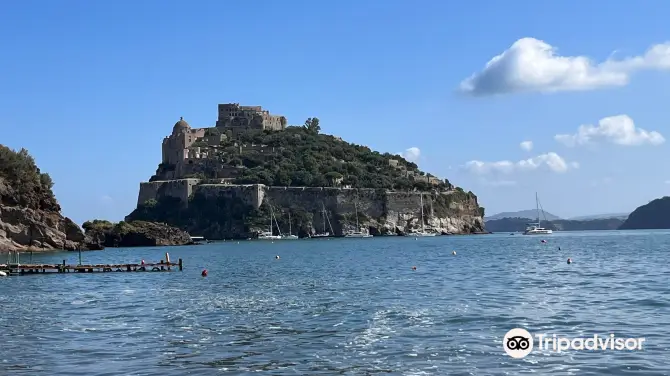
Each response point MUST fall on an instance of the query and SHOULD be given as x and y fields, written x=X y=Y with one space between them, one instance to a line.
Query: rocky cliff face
x=219 y=211
x=30 y=216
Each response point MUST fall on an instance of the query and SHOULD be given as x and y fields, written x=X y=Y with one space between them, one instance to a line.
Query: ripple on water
x=346 y=307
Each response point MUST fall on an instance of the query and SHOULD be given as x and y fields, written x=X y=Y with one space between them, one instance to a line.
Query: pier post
x=79 y=256
x=181 y=265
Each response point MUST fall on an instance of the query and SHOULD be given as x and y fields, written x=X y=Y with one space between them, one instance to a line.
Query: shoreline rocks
x=101 y=234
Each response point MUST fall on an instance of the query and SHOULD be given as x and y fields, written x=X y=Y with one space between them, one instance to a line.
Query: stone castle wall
x=393 y=208
x=155 y=190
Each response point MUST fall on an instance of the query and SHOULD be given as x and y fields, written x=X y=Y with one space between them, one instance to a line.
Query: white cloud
x=618 y=130
x=106 y=199
x=532 y=65
x=526 y=145
x=499 y=183
x=412 y=154
x=551 y=161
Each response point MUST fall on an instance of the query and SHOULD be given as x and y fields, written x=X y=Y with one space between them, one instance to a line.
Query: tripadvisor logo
x=518 y=343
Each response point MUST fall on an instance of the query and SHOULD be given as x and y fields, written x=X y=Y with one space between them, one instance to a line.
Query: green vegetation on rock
x=654 y=215
x=301 y=156
x=22 y=183
x=133 y=234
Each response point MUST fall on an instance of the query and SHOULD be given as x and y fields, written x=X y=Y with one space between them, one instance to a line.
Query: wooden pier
x=15 y=267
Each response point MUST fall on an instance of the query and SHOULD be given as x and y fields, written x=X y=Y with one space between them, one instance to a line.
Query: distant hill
x=528 y=214
x=621 y=216
x=519 y=224
x=654 y=215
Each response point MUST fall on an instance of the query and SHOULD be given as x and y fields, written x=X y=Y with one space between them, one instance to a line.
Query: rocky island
x=250 y=173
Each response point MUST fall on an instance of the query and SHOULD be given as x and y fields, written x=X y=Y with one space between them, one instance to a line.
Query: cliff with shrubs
x=30 y=216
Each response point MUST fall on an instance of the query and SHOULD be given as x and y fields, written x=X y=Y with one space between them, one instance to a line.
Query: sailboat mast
x=537 y=207
x=323 y=208
x=290 y=231
x=358 y=227
x=423 y=225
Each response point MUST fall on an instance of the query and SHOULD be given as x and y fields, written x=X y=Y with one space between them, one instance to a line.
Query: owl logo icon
x=518 y=343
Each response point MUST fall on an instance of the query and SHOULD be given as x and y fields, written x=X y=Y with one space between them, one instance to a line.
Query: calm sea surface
x=346 y=306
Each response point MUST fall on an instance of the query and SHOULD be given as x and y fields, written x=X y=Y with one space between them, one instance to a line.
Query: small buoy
x=569 y=261
x=543 y=241
x=413 y=267
x=277 y=257
x=142 y=262
x=204 y=273
x=559 y=248
x=453 y=253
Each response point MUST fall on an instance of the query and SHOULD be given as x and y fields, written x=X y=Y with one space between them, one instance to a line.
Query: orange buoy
x=204 y=273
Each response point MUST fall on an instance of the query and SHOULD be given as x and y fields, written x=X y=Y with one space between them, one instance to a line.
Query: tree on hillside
x=312 y=125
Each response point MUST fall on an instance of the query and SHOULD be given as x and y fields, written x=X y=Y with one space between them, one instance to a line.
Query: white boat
x=423 y=232
x=536 y=228
x=325 y=233
x=290 y=235
x=359 y=233
x=267 y=235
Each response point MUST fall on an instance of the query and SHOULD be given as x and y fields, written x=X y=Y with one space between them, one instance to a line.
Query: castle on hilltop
x=197 y=153
x=187 y=146
x=235 y=117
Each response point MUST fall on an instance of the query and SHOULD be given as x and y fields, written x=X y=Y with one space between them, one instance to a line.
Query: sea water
x=346 y=306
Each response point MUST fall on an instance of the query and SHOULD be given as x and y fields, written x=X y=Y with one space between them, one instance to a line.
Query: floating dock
x=15 y=267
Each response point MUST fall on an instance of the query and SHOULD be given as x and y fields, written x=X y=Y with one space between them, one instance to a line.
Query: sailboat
x=357 y=233
x=325 y=233
x=536 y=228
x=267 y=235
x=423 y=225
x=290 y=235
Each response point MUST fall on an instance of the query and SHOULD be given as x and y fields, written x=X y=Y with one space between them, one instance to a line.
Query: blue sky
x=90 y=88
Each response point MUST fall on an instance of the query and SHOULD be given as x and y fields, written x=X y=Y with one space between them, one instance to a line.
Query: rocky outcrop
x=30 y=216
x=654 y=215
x=133 y=234
x=224 y=211
x=29 y=229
